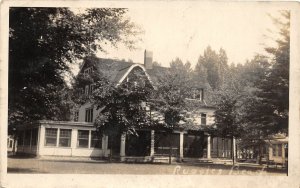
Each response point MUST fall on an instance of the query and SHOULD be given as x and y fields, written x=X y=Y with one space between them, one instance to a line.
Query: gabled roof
x=112 y=69
x=117 y=70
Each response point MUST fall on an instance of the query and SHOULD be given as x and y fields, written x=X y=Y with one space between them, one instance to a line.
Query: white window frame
x=89 y=114
x=88 y=139
x=202 y=115
x=45 y=144
x=76 y=115
x=87 y=71
x=60 y=137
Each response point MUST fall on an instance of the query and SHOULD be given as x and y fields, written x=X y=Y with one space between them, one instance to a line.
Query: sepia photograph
x=158 y=90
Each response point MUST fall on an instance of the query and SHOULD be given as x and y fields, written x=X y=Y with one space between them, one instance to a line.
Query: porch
x=179 y=146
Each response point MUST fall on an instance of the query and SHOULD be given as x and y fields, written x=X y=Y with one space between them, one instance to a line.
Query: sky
x=185 y=32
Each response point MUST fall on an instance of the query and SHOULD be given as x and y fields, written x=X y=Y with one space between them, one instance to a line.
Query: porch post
x=41 y=140
x=30 y=143
x=208 y=147
x=234 y=149
x=181 y=146
x=152 y=143
x=122 y=146
x=74 y=140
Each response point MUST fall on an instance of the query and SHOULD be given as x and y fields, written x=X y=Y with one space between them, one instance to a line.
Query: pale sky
x=185 y=31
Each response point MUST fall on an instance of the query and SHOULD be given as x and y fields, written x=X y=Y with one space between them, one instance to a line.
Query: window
x=91 y=88
x=83 y=139
x=201 y=94
x=88 y=71
x=65 y=137
x=279 y=150
x=274 y=148
x=50 y=137
x=203 y=119
x=89 y=115
x=76 y=116
x=86 y=90
x=96 y=141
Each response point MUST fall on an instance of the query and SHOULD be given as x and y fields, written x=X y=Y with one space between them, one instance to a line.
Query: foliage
x=268 y=111
x=211 y=67
x=43 y=42
x=173 y=87
x=123 y=106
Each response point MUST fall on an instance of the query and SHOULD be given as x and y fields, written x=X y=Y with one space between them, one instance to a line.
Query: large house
x=79 y=138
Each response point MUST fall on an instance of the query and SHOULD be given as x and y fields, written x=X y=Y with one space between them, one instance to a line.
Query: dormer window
x=198 y=94
x=88 y=71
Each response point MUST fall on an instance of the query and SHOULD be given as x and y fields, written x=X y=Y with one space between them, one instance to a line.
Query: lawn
x=33 y=165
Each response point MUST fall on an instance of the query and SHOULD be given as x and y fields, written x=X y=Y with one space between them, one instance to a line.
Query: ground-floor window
x=65 y=137
x=277 y=150
x=50 y=137
x=83 y=139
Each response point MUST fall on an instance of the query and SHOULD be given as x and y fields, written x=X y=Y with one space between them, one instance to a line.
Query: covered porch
x=159 y=146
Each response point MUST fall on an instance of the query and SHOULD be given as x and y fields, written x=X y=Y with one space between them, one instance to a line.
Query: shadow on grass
x=20 y=156
x=22 y=170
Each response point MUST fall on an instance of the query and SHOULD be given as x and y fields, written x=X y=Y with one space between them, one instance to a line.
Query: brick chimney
x=148 y=59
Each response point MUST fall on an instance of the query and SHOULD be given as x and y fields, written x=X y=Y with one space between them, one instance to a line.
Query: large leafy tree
x=173 y=87
x=123 y=107
x=43 y=43
x=211 y=67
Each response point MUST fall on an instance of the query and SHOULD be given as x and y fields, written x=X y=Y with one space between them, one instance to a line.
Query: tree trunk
x=232 y=150
x=170 y=149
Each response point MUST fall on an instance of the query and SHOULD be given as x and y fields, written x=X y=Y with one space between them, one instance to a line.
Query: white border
x=65 y=180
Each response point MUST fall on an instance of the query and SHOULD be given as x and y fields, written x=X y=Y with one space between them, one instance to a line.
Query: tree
x=168 y=99
x=275 y=87
x=211 y=67
x=268 y=110
x=123 y=106
x=43 y=42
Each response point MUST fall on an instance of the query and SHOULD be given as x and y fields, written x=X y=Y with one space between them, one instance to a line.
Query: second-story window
x=88 y=71
x=88 y=90
x=91 y=88
x=89 y=115
x=203 y=119
x=76 y=116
